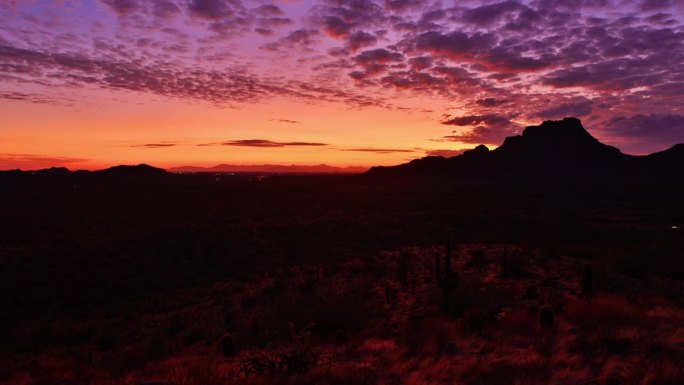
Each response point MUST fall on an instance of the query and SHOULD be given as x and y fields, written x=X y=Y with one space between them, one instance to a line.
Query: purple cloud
x=643 y=134
x=213 y=9
x=360 y=40
x=379 y=150
x=121 y=6
x=299 y=38
x=530 y=59
x=155 y=145
x=488 y=129
x=444 y=153
x=491 y=102
x=488 y=14
x=263 y=143
x=289 y=121
x=470 y=120
x=574 y=109
x=652 y=5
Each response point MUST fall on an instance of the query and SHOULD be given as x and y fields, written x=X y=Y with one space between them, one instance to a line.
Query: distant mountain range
x=144 y=169
x=122 y=170
x=554 y=150
x=273 y=169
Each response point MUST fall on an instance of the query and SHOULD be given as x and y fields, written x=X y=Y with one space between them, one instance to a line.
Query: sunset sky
x=94 y=83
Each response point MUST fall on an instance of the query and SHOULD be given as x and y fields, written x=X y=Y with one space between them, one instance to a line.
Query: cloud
x=168 y=79
x=469 y=120
x=574 y=109
x=488 y=14
x=269 y=10
x=263 y=143
x=403 y=5
x=645 y=133
x=121 y=6
x=288 y=121
x=30 y=97
x=375 y=61
x=165 y=9
x=337 y=27
x=378 y=56
x=155 y=145
x=491 y=102
x=379 y=150
x=299 y=38
x=339 y=18
x=213 y=9
x=444 y=153
x=533 y=58
x=652 y=5
x=360 y=40
x=486 y=129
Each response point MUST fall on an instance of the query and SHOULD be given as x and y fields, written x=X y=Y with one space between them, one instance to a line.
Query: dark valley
x=551 y=259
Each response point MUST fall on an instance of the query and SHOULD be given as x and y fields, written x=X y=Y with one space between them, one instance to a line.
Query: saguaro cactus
x=450 y=278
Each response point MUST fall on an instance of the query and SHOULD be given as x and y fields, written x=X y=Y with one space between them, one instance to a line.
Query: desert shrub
x=664 y=372
x=331 y=308
x=528 y=368
x=475 y=320
x=354 y=266
x=198 y=371
x=478 y=259
x=403 y=266
x=296 y=355
x=349 y=312
x=432 y=336
x=517 y=265
x=519 y=322
x=661 y=372
x=606 y=311
x=470 y=294
x=193 y=336
x=124 y=362
x=326 y=376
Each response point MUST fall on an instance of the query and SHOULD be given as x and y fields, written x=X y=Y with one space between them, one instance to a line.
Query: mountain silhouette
x=117 y=173
x=128 y=170
x=273 y=168
x=553 y=150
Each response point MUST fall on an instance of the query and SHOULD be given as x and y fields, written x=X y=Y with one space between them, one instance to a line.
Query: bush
x=297 y=355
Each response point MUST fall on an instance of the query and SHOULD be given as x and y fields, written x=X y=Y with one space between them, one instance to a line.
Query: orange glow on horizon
x=168 y=132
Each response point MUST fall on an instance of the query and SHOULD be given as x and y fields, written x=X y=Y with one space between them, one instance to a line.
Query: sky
x=87 y=84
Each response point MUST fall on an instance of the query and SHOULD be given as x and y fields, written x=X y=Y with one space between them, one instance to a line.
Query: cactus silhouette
x=450 y=278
